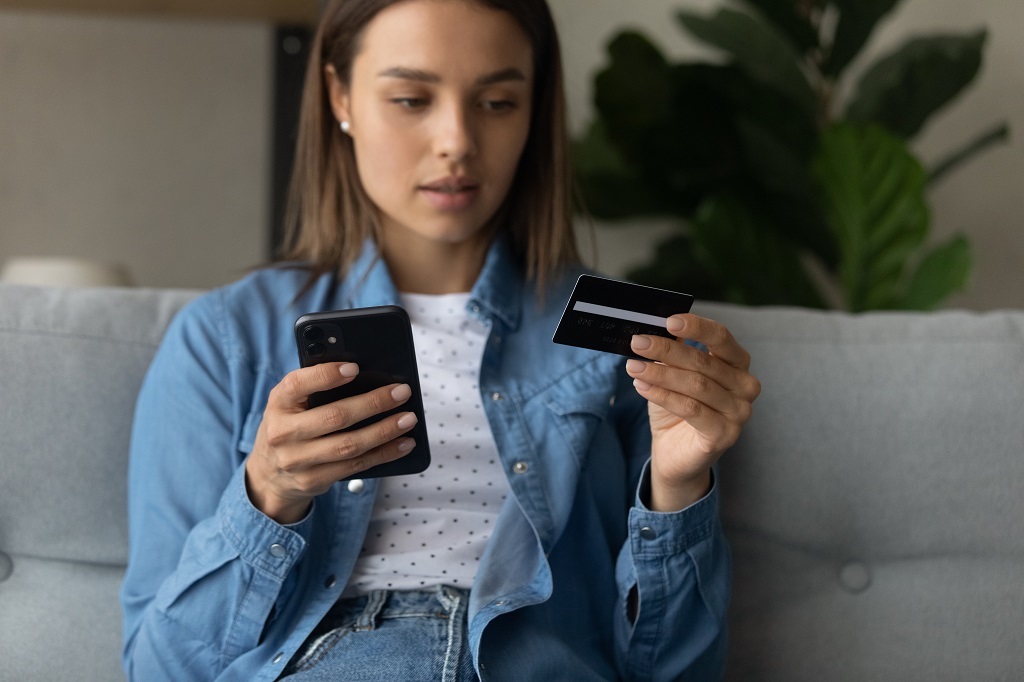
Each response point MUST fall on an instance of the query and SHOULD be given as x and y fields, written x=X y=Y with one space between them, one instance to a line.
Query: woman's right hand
x=298 y=455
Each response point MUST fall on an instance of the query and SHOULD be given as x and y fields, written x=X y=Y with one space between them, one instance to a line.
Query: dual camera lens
x=313 y=336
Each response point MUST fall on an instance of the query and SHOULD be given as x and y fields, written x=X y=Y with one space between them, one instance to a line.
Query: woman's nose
x=455 y=137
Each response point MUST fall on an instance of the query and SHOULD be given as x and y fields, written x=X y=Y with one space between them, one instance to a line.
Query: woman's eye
x=410 y=102
x=498 y=105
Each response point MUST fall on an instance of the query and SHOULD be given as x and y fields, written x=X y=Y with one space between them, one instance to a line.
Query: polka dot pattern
x=431 y=528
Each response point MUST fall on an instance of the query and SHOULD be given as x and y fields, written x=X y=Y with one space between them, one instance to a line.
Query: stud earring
x=344 y=127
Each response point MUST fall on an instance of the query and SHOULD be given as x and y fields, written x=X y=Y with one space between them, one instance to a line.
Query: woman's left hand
x=698 y=403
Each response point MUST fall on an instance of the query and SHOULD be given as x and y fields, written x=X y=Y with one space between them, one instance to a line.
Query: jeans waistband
x=366 y=610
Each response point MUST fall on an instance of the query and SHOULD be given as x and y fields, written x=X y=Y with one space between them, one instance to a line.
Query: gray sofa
x=874 y=504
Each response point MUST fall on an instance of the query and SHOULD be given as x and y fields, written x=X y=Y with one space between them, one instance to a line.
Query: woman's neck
x=429 y=267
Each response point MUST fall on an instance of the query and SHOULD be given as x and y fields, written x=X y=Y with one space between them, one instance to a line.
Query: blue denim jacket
x=217 y=590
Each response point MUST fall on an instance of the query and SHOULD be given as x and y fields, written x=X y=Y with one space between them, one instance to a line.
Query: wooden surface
x=276 y=11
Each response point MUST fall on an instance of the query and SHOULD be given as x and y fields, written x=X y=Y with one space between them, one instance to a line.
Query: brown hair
x=329 y=215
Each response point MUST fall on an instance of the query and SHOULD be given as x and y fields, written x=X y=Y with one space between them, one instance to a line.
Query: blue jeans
x=389 y=636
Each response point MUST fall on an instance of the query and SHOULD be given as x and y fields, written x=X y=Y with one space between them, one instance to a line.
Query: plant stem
x=1000 y=133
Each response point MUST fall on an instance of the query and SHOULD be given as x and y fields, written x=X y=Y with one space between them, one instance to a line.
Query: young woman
x=567 y=526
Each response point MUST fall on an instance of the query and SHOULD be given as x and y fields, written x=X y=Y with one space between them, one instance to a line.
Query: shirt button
x=854 y=577
x=330 y=582
x=278 y=551
x=611 y=401
x=356 y=486
x=500 y=602
x=497 y=396
x=280 y=655
x=475 y=308
x=520 y=467
x=648 y=533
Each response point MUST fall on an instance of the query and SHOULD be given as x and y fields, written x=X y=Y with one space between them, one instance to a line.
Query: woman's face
x=439 y=106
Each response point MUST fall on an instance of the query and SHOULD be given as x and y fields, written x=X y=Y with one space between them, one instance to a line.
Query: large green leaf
x=649 y=110
x=792 y=20
x=749 y=256
x=609 y=187
x=902 y=90
x=873 y=195
x=857 y=21
x=757 y=48
x=781 y=188
x=944 y=271
x=764 y=107
x=635 y=90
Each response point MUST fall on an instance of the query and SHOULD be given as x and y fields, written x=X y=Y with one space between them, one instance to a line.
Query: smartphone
x=379 y=340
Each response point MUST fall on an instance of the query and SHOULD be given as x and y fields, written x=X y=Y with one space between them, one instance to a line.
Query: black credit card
x=604 y=314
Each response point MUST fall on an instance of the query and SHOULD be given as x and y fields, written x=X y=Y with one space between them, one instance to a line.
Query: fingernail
x=349 y=369
x=406 y=445
x=635 y=366
x=401 y=392
x=407 y=421
x=640 y=343
x=641 y=385
x=675 y=325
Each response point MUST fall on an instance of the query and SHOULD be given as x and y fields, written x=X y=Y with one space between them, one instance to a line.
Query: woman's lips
x=451 y=194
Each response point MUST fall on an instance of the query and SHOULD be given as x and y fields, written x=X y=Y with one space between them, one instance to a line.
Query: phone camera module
x=315 y=349
x=312 y=334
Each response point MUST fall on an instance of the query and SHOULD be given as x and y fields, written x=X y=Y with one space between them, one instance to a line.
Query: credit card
x=604 y=314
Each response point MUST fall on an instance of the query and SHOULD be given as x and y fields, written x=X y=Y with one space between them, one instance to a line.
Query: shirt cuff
x=656 y=534
x=260 y=541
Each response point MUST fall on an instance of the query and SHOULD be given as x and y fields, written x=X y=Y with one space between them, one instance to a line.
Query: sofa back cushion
x=874 y=502
x=71 y=363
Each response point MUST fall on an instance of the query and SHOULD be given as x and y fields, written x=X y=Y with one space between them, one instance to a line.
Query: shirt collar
x=368 y=282
x=496 y=293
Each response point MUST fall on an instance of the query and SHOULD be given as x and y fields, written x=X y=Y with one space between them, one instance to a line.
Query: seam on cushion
x=21 y=331
x=63 y=560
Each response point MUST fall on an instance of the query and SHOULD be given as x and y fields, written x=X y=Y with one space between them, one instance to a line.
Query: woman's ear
x=337 y=92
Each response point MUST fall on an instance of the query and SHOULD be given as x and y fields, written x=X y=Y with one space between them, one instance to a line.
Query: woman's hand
x=298 y=455
x=698 y=403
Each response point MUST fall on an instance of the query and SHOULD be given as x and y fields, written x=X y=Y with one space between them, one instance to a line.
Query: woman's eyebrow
x=509 y=74
x=405 y=73
x=408 y=74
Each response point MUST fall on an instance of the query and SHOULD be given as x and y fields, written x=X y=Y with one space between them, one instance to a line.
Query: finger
x=341 y=414
x=319 y=479
x=388 y=452
x=690 y=384
x=715 y=335
x=678 y=354
x=296 y=387
x=714 y=426
x=343 y=445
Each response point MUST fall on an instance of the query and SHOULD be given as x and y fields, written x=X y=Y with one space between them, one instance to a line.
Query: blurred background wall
x=146 y=140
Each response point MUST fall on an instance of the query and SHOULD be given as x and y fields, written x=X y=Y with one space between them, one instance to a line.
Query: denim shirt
x=217 y=590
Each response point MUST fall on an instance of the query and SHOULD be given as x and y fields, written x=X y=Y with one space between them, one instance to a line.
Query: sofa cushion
x=873 y=503
x=71 y=363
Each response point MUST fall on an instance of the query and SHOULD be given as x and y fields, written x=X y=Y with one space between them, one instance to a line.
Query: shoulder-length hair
x=329 y=215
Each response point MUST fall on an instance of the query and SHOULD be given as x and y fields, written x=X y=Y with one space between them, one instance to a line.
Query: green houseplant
x=784 y=194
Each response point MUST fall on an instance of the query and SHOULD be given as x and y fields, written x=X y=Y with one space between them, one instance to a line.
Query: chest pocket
x=580 y=417
x=264 y=382
x=247 y=439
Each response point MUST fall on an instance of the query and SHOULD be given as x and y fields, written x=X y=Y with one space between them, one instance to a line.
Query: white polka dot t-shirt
x=431 y=528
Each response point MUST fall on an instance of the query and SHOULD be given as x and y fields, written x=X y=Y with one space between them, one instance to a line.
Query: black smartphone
x=379 y=340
